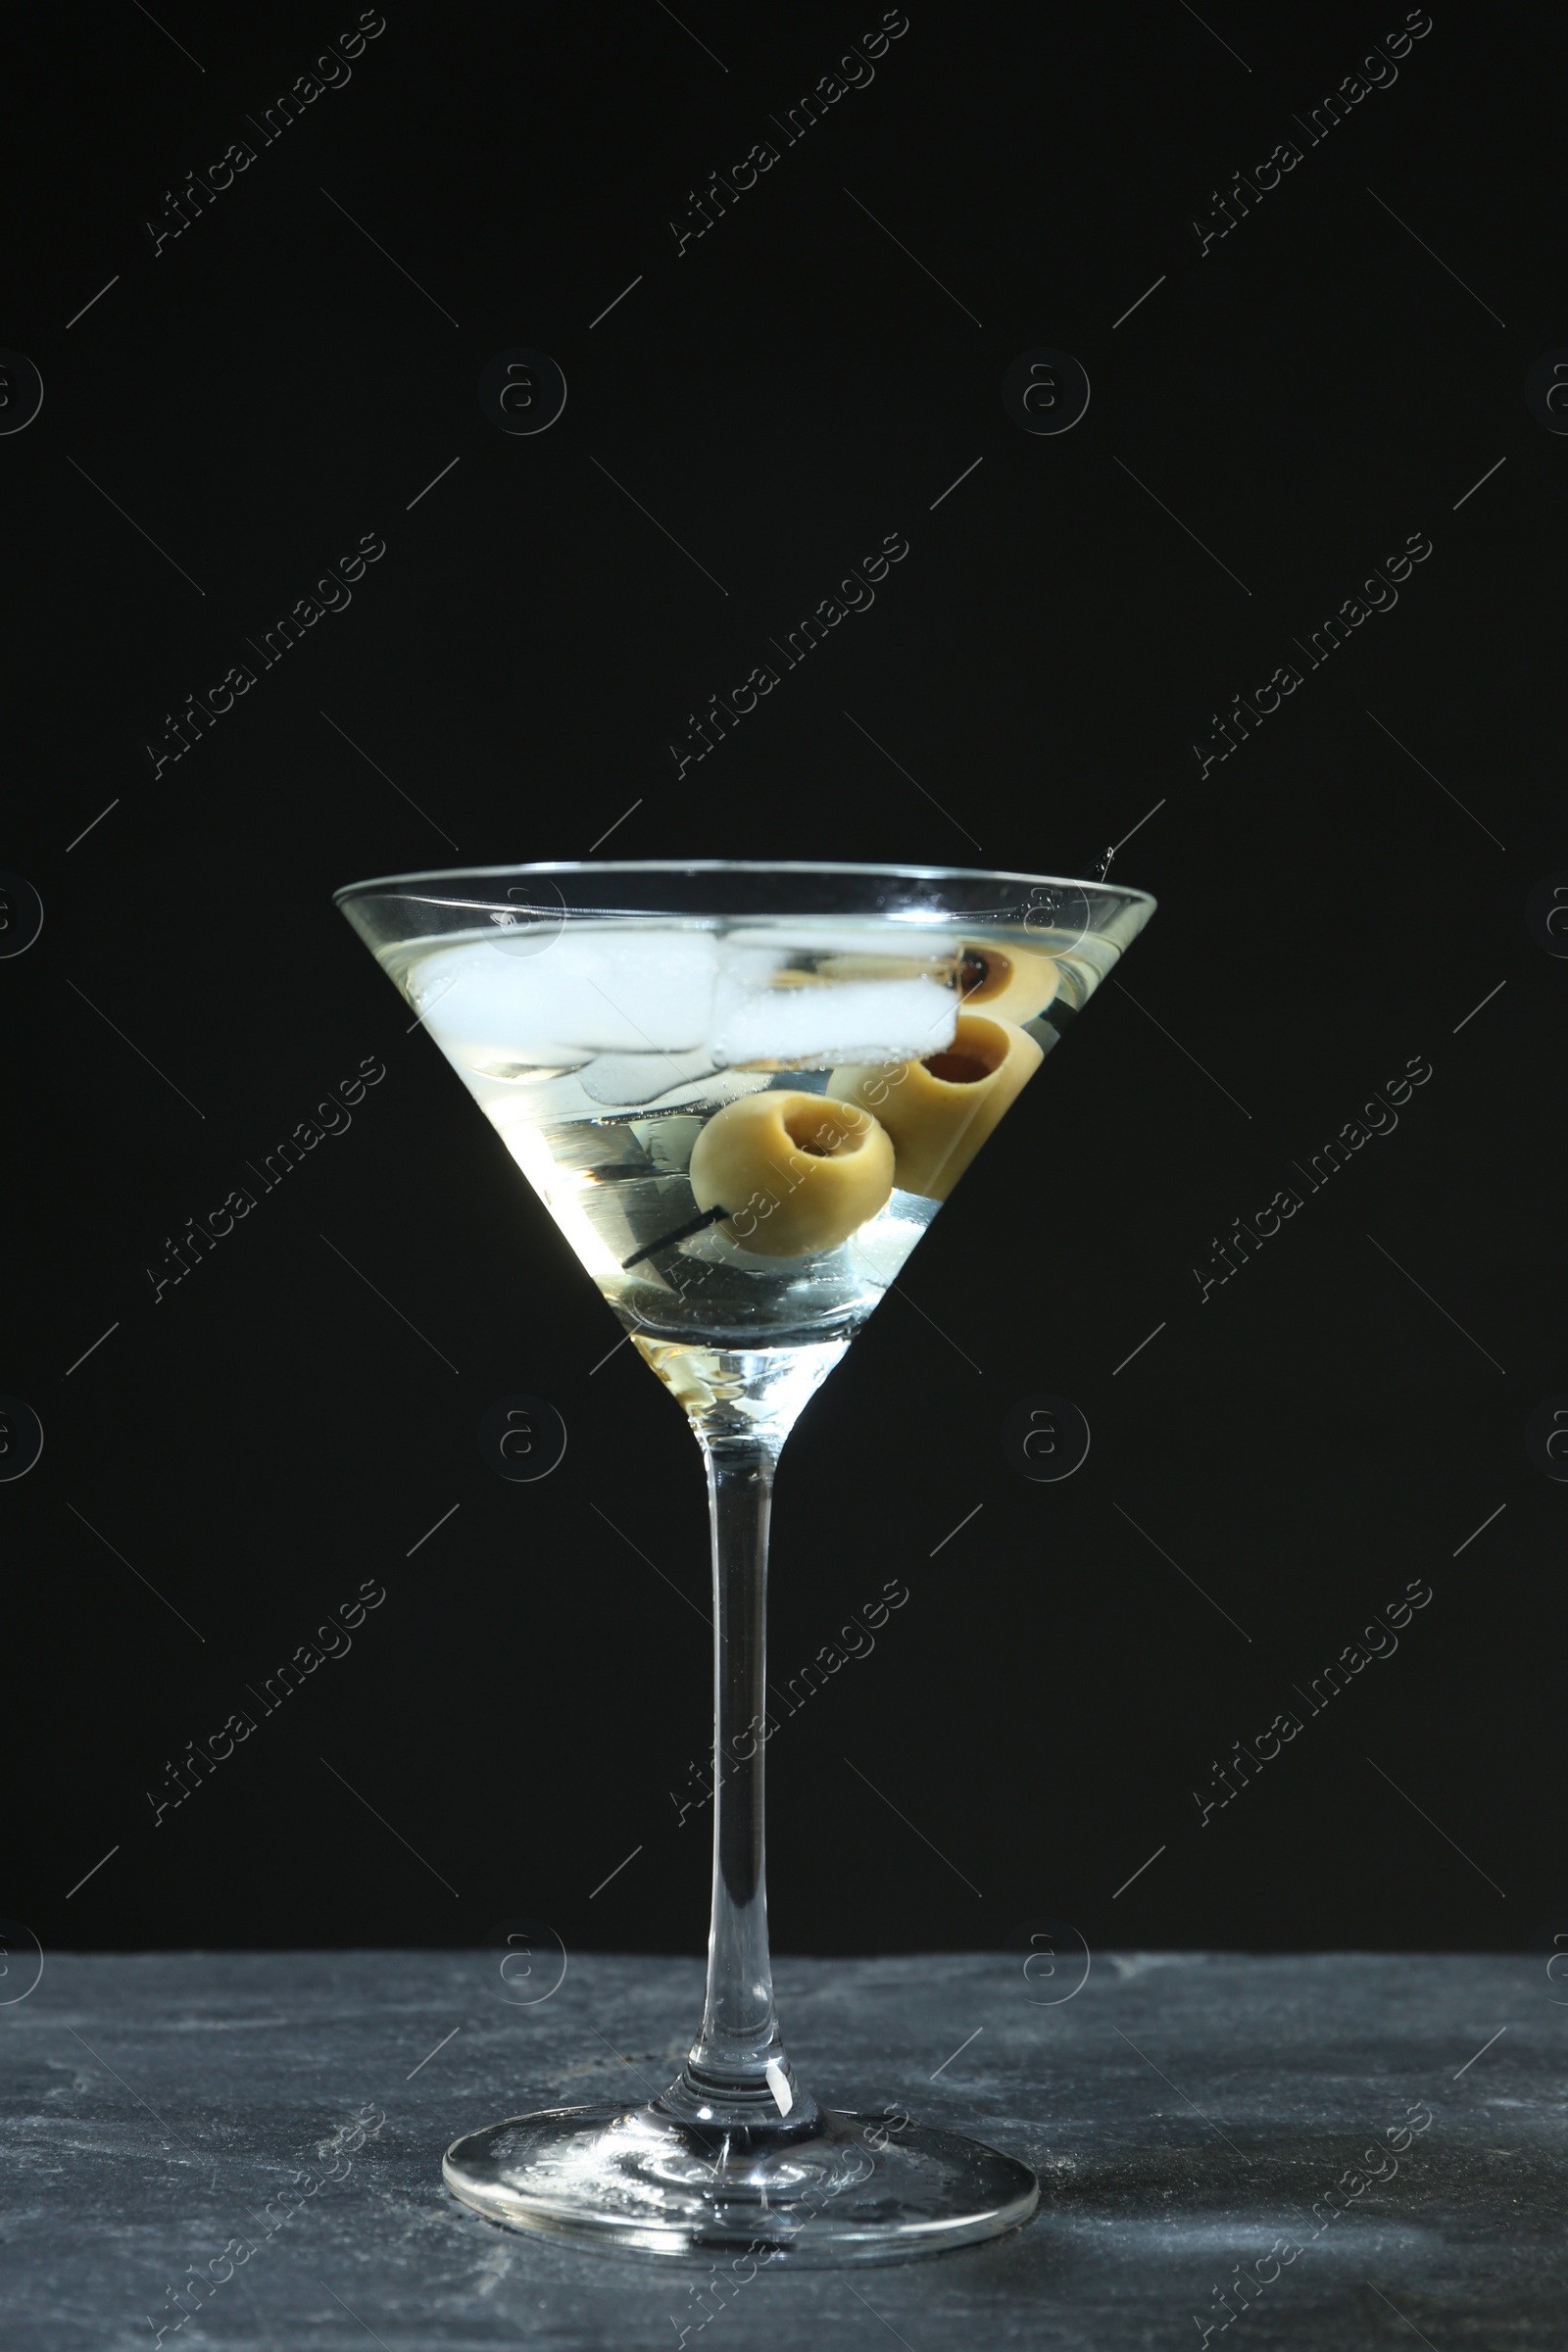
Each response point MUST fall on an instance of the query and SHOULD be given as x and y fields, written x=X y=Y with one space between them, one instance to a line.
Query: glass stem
x=737 y=2074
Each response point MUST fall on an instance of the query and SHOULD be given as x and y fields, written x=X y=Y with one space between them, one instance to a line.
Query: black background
x=1321 y=1431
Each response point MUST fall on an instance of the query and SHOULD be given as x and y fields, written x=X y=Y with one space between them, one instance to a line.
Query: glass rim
x=739 y=865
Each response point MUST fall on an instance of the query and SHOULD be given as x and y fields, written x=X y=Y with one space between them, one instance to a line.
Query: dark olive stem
x=682 y=1233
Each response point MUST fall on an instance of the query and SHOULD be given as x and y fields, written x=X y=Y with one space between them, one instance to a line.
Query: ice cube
x=668 y=1141
x=786 y=1017
x=626 y=1081
x=878 y=1251
x=589 y=991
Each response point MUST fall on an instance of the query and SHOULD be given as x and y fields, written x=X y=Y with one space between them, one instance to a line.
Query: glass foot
x=834 y=2188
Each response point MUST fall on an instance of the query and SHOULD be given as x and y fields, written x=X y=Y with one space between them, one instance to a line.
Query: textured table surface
x=1187 y=2114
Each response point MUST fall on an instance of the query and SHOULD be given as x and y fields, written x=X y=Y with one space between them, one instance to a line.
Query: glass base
x=835 y=2188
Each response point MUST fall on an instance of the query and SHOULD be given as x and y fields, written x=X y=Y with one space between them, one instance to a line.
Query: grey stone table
x=1336 y=2150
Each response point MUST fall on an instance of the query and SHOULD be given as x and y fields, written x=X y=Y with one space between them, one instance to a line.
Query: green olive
x=1014 y=984
x=940 y=1111
x=796 y=1173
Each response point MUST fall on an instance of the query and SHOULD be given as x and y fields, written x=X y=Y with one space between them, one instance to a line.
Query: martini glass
x=743 y=1092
